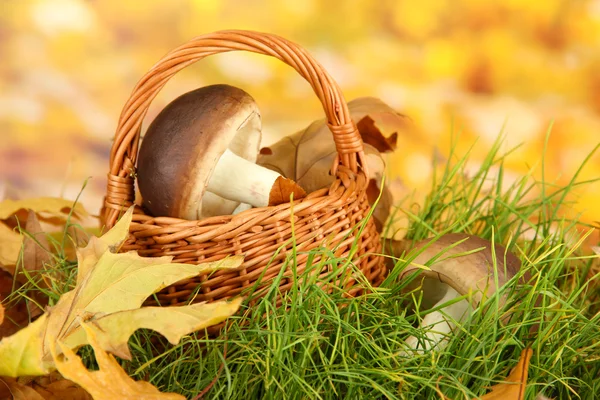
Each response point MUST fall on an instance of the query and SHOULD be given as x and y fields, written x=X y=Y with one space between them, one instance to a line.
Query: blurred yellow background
x=473 y=67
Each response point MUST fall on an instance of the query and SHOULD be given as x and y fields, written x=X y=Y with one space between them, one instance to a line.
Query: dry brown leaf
x=36 y=255
x=36 y=248
x=110 y=381
x=1 y=314
x=514 y=387
x=282 y=189
x=15 y=313
x=51 y=387
x=307 y=156
x=10 y=388
x=371 y=135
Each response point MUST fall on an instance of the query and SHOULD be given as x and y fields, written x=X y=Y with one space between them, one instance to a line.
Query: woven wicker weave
x=328 y=217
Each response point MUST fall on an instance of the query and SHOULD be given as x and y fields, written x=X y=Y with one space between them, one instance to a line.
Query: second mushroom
x=448 y=268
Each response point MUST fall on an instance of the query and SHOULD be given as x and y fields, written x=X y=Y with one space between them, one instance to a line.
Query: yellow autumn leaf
x=111 y=283
x=171 y=322
x=57 y=207
x=23 y=351
x=10 y=245
x=88 y=256
x=110 y=381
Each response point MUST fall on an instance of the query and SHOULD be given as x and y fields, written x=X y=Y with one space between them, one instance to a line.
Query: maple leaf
x=110 y=381
x=109 y=292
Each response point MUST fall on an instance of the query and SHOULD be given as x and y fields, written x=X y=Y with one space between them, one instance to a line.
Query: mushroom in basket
x=198 y=157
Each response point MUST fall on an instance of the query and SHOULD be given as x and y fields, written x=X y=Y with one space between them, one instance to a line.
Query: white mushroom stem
x=438 y=325
x=238 y=179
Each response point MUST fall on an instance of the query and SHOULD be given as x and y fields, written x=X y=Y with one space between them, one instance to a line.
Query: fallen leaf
x=62 y=389
x=54 y=206
x=36 y=248
x=10 y=247
x=110 y=381
x=49 y=387
x=109 y=292
x=10 y=388
x=514 y=387
x=171 y=322
x=282 y=189
x=1 y=314
x=51 y=213
x=15 y=312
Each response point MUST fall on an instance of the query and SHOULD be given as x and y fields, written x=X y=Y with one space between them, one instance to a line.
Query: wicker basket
x=328 y=217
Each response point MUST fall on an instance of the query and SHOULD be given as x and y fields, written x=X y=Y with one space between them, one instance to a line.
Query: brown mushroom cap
x=466 y=273
x=184 y=142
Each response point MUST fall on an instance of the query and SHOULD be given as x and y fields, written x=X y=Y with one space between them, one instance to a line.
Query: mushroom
x=198 y=157
x=459 y=265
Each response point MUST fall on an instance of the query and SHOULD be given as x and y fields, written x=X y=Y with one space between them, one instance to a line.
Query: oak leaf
x=109 y=292
x=110 y=381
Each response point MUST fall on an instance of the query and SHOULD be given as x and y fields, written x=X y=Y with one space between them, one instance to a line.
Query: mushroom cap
x=468 y=273
x=185 y=141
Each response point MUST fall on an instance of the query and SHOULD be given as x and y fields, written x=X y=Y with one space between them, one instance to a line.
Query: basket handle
x=120 y=189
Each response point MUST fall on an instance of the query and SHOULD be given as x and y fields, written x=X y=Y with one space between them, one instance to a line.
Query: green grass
x=325 y=346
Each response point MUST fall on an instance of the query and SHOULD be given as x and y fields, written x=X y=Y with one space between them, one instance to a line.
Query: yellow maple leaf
x=108 y=295
x=110 y=381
